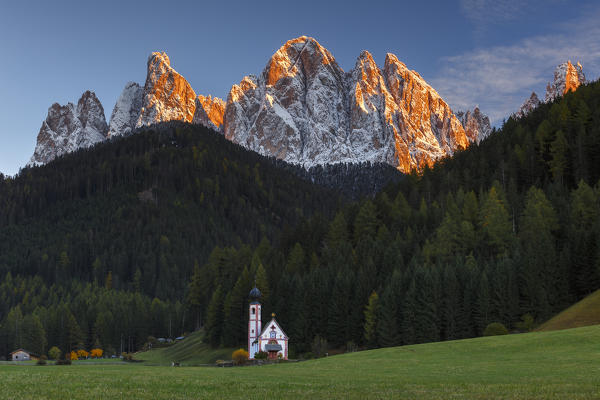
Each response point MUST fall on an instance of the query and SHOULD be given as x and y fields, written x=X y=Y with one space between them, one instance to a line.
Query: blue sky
x=492 y=53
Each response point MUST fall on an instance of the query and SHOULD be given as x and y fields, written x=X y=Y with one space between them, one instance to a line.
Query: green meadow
x=542 y=365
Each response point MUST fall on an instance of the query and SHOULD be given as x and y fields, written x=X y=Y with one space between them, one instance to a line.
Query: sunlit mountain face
x=305 y=109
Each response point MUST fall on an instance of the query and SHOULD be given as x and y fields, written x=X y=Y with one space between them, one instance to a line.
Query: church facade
x=270 y=339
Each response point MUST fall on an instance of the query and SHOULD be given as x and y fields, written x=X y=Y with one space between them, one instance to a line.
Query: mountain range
x=303 y=108
x=567 y=77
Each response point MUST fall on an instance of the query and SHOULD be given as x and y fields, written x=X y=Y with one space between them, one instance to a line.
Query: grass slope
x=584 y=313
x=546 y=365
x=189 y=352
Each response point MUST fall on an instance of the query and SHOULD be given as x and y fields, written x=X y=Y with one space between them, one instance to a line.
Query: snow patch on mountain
x=69 y=127
x=126 y=111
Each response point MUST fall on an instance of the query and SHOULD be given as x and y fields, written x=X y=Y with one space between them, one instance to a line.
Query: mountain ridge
x=305 y=109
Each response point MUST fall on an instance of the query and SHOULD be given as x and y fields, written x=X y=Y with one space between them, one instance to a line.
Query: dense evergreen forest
x=167 y=231
x=125 y=223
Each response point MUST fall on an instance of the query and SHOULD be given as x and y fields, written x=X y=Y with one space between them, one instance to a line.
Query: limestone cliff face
x=69 y=127
x=295 y=110
x=567 y=77
x=167 y=95
x=528 y=106
x=477 y=125
x=209 y=112
x=305 y=109
x=126 y=111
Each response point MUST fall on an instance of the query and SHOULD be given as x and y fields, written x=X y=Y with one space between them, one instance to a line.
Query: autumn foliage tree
x=96 y=353
x=239 y=357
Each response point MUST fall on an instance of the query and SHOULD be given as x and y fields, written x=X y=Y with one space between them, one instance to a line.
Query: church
x=270 y=339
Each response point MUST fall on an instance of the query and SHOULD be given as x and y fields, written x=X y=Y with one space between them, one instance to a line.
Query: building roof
x=255 y=294
x=268 y=326
x=24 y=351
x=273 y=347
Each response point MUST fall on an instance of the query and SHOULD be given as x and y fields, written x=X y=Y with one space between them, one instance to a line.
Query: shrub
x=63 y=362
x=42 y=360
x=240 y=357
x=96 y=353
x=495 y=329
x=261 y=355
x=127 y=356
x=527 y=323
x=54 y=353
x=72 y=356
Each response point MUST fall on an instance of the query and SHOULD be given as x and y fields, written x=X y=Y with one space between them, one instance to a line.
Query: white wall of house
x=20 y=356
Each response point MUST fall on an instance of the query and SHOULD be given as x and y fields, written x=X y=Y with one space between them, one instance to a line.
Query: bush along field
x=545 y=365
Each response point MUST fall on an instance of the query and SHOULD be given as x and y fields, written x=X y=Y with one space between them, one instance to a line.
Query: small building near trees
x=270 y=339
x=23 y=355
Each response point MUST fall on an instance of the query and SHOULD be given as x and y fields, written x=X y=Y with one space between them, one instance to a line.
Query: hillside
x=125 y=222
x=169 y=229
x=188 y=352
x=546 y=365
x=583 y=313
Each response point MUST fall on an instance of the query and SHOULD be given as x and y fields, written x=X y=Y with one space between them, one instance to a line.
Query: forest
x=166 y=231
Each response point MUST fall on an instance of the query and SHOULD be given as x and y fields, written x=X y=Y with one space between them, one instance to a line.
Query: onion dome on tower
x=255 y=294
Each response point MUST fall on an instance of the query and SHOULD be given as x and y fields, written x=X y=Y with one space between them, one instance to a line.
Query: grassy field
x=189 y=352
x=547 y=365
x=584 y=313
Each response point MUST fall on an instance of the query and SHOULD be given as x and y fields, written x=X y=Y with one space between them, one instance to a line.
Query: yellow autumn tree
x=96 y=353
x=72 y=356
x=82 y=354
x=240 y=357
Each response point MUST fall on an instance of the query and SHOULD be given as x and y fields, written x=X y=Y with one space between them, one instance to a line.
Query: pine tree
x=482 y=309
x=495 y=223
x=388 y=331
x=372 y=311
x=34 y=336
x=196 y=294
x=214 y=318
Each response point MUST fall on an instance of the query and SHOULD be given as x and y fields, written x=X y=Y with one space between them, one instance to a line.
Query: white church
x=270 y=339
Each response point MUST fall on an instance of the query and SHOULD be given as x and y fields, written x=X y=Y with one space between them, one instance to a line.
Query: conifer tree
x=214 y=318
x=372 y=317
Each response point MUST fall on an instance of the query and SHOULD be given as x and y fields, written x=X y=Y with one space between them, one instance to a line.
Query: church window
x=253 y=311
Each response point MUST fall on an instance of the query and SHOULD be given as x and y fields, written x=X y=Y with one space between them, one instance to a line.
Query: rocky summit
x=127 y=110
x=303 y=108
x=529 y=105
x=567 y=77
x=69 y=127
x=167 y=95
x=477 y=125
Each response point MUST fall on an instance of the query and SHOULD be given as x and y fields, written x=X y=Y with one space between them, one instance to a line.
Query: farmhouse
x=23 y=355
x=271 y=339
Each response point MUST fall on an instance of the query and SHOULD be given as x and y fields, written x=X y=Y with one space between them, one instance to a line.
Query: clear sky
x=492 y=53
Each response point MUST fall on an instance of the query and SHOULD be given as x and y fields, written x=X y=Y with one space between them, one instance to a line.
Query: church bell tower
x=254 y=322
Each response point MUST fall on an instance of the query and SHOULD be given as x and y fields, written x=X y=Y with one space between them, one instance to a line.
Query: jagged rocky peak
x=304 y=109
x=476 y=124
x=567 y=77
x=69 y=127
x=427 y=127
x=209 y=112
x=126 y=111
x=295 y=109
x=167 y=95
x=528 y=106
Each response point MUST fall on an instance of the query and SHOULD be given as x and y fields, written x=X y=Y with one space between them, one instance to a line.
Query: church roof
x=268 y=327
x=273 y=347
